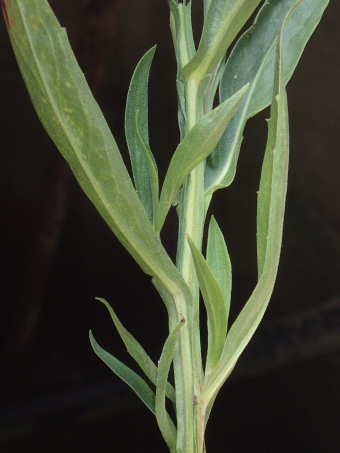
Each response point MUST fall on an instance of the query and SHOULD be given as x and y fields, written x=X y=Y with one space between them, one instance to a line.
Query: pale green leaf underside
x=195 y=147
x=75 y=123
x=137 y=384
x=252 y=61
x=165 y=424
x=215 y=305
x=137 y=352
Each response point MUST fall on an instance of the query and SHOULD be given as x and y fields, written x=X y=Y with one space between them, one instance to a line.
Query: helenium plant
x=218 y=91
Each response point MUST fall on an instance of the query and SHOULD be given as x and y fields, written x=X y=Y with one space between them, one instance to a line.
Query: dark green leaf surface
x=223 y=21
x=252 y=61
x=75 y=123
x=218 y=260
x=215 y=305
x=144 y=168
x=165 y=424
x=137 y=352
x=195 y=147
x=137 y=384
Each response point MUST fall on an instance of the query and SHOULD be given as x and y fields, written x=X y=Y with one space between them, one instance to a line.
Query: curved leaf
x=195 y=147
x=215 y=305
x=252 y=61
x=73 y=120
x=165 y=424
x=218 y=260
x=144 y=168
x=138 y=385
x=137 y=352
x=272 y=204
x=222 y=23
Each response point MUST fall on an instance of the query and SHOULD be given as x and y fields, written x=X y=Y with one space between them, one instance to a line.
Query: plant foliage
x=252 y=77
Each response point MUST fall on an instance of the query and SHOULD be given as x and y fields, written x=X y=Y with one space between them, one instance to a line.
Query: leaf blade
x=216 y=307
x=252 y=61
x=137 y=351
x=218 y=260
x=75 y=123
x=195 y=147
x=276 y=169
x=144 y=168
x=222 y=23
x=132 y=379
x=165 y=424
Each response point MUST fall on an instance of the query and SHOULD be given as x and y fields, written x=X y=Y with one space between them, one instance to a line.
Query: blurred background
x=57 y=255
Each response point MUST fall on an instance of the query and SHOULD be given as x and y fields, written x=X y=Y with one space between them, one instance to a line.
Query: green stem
x=191 y=222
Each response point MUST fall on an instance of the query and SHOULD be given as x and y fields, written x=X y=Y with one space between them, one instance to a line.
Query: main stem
x=191 y=222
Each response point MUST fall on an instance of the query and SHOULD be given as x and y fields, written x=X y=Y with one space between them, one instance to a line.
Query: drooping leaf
x=218 y=260
x=215 y=305
x=138 y=385
x=274 y=176
x=222 y=23
x=252 y=61
x=144 y=168
x=165 y=424
x=137 y=352
x=72 y=118
x=195 y=147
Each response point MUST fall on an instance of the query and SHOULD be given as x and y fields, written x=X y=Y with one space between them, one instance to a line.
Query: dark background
x=57 y=255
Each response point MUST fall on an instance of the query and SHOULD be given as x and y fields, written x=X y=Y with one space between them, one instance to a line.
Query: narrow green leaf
x=137 y=384
x=222 y=23
x=73 y=120
x=165 y=424
x=144 y=168
x=218 y=260
x=211 y=89
x=137 y=352
x=195 y=147
x=274 y=176
x=215 y=305
x=252 y=61
x=181 y=30
x=182 y=34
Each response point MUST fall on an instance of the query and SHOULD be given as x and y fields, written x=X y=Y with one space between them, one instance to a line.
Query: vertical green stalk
x=191 y=222
x=188 y=359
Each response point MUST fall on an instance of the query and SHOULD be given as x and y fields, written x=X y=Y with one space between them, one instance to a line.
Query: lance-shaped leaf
x=215 y=305
x=165 y=424
x=137 y=352
x=138 y=385
x=218 y=260
x=195 y=147
x=182 y=35
x=222 y=23
x=271 y=211
x=72 y=118
x=144 y=168
x=252 y=61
